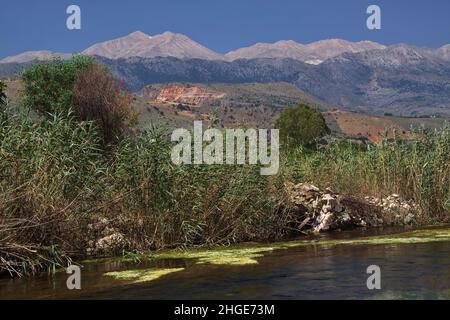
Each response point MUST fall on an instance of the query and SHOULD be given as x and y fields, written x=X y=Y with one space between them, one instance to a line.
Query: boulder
x=104 y=238
x=327 y=210
x=111 y=244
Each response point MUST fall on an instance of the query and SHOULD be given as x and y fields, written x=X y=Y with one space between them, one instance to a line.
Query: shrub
x=82 y=88
x=98 y=97
x=48 y=86
x=301 y=126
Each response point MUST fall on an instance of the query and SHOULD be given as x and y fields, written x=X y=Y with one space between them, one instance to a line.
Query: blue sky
x=220 y=25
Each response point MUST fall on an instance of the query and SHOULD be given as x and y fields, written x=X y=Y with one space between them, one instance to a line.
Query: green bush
x=83 y=89
x=48 y=86
x=301 y=126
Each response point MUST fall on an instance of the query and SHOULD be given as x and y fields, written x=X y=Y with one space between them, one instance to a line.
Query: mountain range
x=169 y=44
x=313 y=53
x=363 y=76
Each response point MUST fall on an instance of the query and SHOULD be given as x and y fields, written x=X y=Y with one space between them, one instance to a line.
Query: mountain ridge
x=169 y=44
x=317 y=51
x=40 y=55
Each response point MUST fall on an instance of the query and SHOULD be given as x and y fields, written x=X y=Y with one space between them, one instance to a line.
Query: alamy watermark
x=374 y=20
x=374 y=280
x=234 y=146
x=74 y=280
x=73 y=22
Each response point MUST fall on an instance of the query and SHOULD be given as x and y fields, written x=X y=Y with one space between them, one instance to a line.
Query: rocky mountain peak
x=139 y=35
x=444 y=52
x=139 y=44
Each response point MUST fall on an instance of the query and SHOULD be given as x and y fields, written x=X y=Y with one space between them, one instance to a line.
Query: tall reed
x=417 y=170
x=56 y=181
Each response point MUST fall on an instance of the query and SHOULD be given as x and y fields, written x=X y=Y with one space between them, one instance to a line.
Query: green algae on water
x=144 y=275
x=241 y=255
x=248 y=254
x=418 y=236
x=220 y=256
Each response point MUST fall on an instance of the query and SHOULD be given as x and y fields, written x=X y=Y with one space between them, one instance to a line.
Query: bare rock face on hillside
x=192 y=95
x=327 y=210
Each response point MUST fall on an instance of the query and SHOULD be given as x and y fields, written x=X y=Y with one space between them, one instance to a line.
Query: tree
x=301 y=125
x=48 y=86
x=98 y=96
x=80 y=88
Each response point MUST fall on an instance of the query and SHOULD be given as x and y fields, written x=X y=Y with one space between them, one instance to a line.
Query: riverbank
x=64 y=198
x=331 y=265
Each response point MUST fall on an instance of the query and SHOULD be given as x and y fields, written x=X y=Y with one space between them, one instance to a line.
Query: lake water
x=314 y=271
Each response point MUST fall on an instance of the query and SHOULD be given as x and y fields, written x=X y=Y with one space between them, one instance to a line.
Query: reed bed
x=57 y=181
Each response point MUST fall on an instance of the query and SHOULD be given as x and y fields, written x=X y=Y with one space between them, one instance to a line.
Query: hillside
x=258 y=105
x=374 y=128
x=402 y=80
x=249 y=105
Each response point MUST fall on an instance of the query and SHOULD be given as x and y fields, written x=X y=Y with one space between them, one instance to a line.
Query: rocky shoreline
x=317 y=210
x=326 y=210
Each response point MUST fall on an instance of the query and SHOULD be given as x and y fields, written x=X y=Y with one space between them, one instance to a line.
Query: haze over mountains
x=365 y=76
